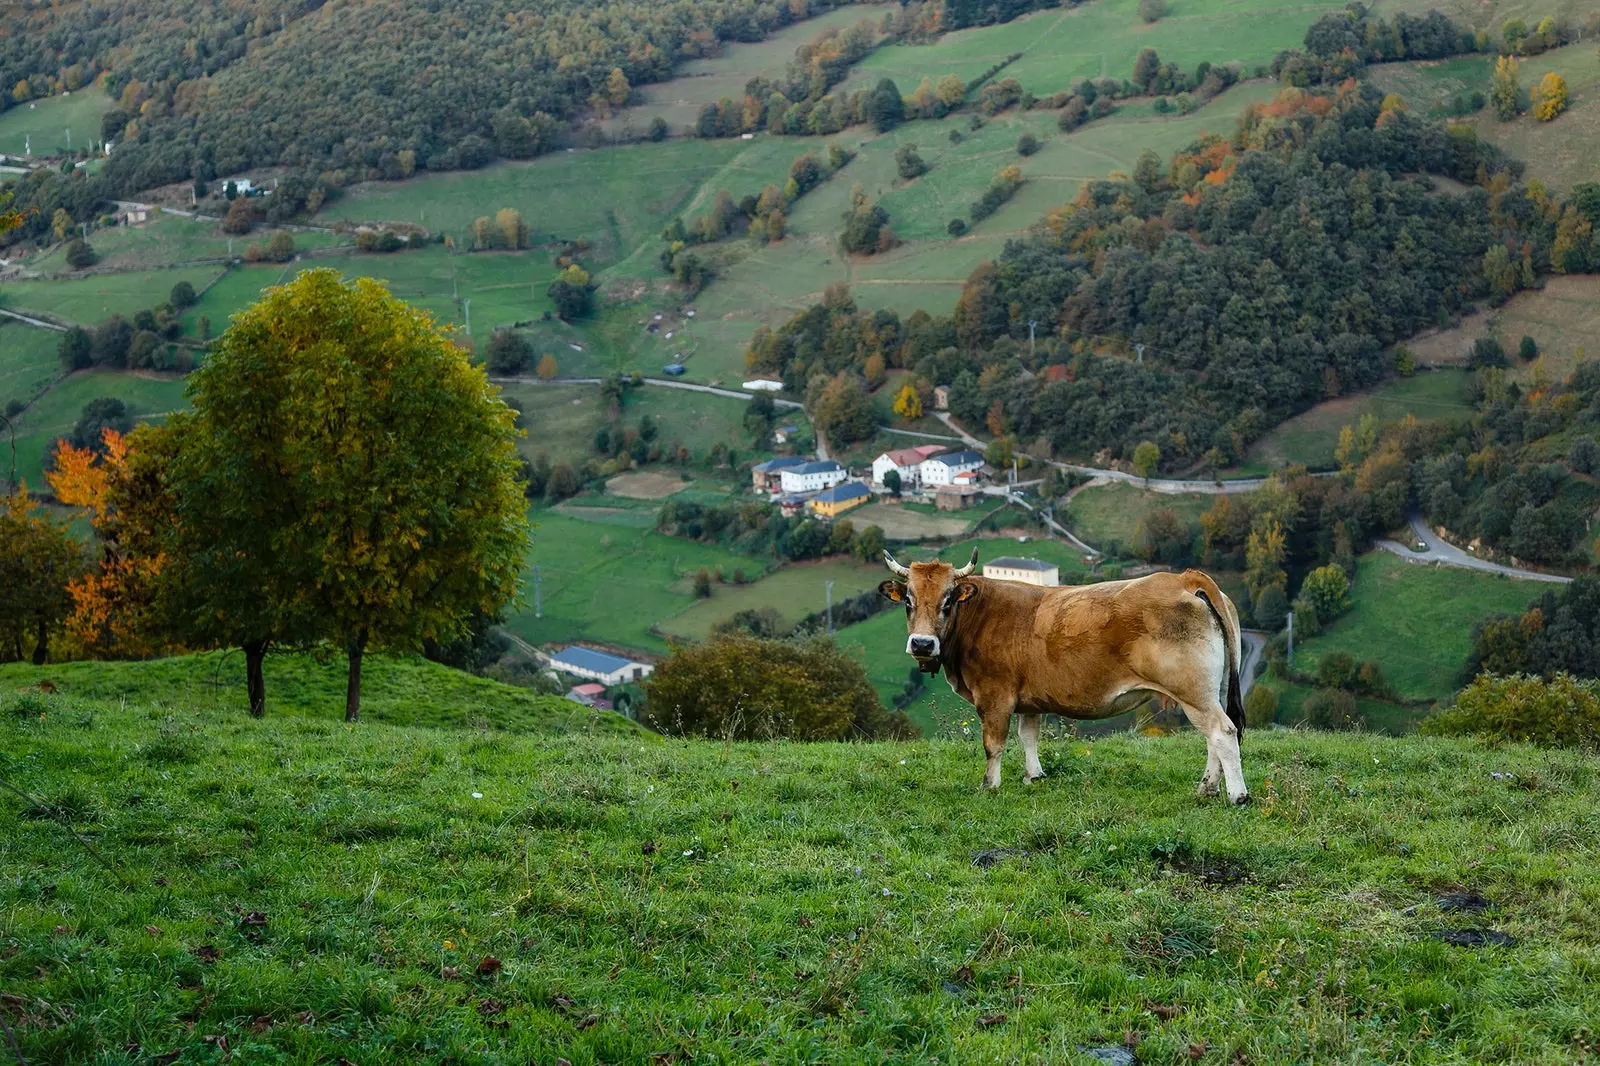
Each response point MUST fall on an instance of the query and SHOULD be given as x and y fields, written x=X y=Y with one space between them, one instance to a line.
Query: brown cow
x=1084 y=652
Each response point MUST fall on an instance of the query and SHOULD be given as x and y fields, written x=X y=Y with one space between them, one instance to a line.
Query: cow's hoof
x=1240 y=800
x=1036 y=777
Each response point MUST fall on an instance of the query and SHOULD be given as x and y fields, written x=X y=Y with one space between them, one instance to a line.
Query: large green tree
x=39 y=557
x=343 y=433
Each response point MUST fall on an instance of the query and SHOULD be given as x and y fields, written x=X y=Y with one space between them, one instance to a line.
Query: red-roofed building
x=904 y=461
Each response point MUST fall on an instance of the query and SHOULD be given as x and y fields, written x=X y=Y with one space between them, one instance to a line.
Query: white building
x=942 y=469
x=1027 y=571
x=606 y=669
x=812 y=477
x=906 y=462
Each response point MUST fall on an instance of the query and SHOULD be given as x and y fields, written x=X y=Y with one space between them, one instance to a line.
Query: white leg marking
x=1213 y=774
x=1028 y=730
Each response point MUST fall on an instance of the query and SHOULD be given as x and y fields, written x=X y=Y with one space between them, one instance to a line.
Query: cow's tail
x=1222 y=610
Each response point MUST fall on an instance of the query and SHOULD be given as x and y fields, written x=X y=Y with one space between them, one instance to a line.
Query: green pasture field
x=28 y=360
x=1100 y=40
x=308 y=891
x=1563 y=318
x=90 y=301
x=168 y=239
x=1416 y=621
x=794 y=591
x=701 y=81
x=149 y=396
x=615 y=197
x=611 y=584
x=1431 y=86
x=1312 y=436
x=1110 y=514
x=1378 y=716
x=1565 y=151
x=48 y=120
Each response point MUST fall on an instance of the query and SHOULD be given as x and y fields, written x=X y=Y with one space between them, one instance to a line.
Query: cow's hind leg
x=1222 y=749
x=1028 y=730
x=1213 y=774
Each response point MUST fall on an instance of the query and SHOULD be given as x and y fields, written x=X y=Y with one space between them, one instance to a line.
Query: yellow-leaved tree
x=1549 y=97
x=907 y=404
x=349 y=474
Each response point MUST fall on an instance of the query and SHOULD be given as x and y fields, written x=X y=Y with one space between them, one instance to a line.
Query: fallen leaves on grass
x=206 y=953
x=488 y=966
x=990 y=1020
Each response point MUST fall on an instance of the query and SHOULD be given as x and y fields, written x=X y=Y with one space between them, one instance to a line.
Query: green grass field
x=1104 y=515
x=90 y=301
x=1312 y=436
x=1100 y=40
x=168 y=239
x=794 y=591
x=47 y=121
x=611 y=583
x=304 y=891
x=1416 y=621
x=1379 y=716
x=28 y=360
x=149 y=397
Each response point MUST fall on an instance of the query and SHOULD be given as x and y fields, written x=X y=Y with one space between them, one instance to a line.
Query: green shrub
x=1327 y=590
x=1332 y=709
x=1561 y=711
x=1260 y=707
x=1337 y=669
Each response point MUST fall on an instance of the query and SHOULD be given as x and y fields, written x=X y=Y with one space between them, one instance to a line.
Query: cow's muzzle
x=922 y=647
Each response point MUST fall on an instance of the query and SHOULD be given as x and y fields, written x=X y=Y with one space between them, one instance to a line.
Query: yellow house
x=840 y=498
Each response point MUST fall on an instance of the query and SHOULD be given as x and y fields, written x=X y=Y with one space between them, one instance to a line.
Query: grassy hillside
x=28 y=360
x=1416 y=621
x=407 y=691
x=47 y=121
x=303 y=891
x=1110 y=514
x=150 y=397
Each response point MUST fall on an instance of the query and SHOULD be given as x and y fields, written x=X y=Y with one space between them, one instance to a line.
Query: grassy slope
x=149 y=398
x=47 y=121
x=794 y=591
x=780 y=903
x=1310 y=437
x=168 y=239
x=28 y=360
x=1416 y=621
x=611 y=583
x=395 y=691
x=1105 y=514
x=91 y=300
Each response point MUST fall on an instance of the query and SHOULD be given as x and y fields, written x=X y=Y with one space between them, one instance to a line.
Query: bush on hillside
x=749 y=688
x=1332 y=709
x=1560 y=711
x=1260 y=707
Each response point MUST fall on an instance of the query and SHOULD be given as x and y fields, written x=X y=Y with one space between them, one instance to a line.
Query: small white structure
x=1027 y=571
x=812 y=477
x=942 y=469
x=607 y=669
x=785 y=433
x=242 y=186
x=907 y=462
x=941 y=397
x=764 y=385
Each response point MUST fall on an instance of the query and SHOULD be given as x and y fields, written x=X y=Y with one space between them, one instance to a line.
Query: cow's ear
x=966 y=590
x=895 y=590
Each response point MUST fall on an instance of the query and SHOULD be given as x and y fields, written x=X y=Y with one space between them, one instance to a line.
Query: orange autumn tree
x=115 y=604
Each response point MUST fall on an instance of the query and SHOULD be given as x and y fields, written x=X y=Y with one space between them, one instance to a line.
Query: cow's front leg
x=1213 y=774
x=1028 y=730
x=996 y=727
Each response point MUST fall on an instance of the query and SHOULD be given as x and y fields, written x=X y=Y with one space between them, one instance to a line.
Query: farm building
x=941 y=397
x=942 y=469
x=764 y=476
x=840 y=498
x=907 y=462
x=764 y=385
x=1028 y=571
x=599 y=666
x=957 y=497
x=591 y=694
x=812 y=477
x=791 y=505
x=784 y=434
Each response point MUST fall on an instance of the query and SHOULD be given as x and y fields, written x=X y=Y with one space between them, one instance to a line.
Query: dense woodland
x=1260 y=273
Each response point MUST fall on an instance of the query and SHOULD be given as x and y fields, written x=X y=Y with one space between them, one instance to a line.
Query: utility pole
x=230 y=247
x=69 y=138
x=468 y=305
x=538 y=602
x=1291 y=639
x=1139 y=351
x=829 y=586
x=1031 y=323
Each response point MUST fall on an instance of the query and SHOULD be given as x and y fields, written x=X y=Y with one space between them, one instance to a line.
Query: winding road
x=1442 y=553
x=665 y=383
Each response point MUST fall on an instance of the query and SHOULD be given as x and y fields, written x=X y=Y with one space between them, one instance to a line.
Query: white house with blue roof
x=599 y=666
x=942 y=469
x=813 y=476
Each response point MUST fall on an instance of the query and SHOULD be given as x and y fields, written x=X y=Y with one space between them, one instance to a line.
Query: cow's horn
x=894 y=567
x=966 y=571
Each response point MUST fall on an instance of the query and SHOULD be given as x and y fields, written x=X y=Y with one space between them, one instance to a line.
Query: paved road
x=1253 y=645
x=665 y=383
x=39 y=323
x=1443 y=553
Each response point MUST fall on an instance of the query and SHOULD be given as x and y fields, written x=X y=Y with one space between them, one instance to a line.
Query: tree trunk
x=352 y=692
x=255 y=683
x=41 y=650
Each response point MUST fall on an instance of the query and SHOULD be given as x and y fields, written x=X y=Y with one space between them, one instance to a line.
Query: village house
x=943 y=469
x=599 y=666
x=812 y=477
x=764 y=476
x=840 y=498
x=591 y=694
x=957 y=497
x=904 y=461
x=785 y=433
x=1028 y=571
